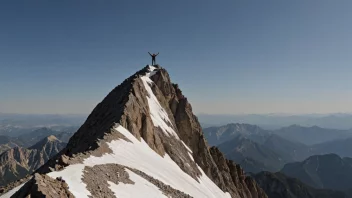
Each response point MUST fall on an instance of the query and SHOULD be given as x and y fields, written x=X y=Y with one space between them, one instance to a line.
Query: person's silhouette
x=153 y=57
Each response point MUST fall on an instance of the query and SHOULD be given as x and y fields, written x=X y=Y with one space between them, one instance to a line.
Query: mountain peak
x=145 y=131
x=52 y=138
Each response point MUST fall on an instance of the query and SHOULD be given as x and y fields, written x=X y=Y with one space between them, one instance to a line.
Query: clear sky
x=228 y=56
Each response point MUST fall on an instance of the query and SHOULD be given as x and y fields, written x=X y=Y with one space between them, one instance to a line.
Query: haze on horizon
x=229 y=57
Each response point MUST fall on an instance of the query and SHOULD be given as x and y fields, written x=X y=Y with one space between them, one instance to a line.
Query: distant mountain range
x=323 y=171
x=289 y=150
x=20 y=156
x=257 y=149
x=241 y=149
x=278 y=185
x=14 y=125
x=40 y=120
x=218 y=135
x=341 y=147
x=30 y=138
x=314 y=166
x=294 y=133
x=276 y=121
x=33 y=137
x=18 y=162
x=312 y=135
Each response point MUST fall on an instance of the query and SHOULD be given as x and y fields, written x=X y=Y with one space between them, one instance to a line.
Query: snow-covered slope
x=138 y=155
x=142 y=140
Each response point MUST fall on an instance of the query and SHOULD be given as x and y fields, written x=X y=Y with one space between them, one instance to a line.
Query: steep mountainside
x=240 y=148
x=18 y=162
x=218 y=135
x=312 y=135
x=322 y=171
x=142 y=139
x=277 y=185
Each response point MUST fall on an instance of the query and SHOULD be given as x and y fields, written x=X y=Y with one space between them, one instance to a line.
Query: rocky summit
x=142 y=140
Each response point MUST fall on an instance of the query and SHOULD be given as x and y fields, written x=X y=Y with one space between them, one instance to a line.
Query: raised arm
x=157 y=53
x=149 y=53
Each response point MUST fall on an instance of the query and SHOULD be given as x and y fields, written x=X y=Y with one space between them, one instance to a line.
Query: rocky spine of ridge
x=127 y=105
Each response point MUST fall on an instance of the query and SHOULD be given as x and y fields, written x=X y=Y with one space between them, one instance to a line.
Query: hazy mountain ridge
x=312 y=135
x=14 y=125
x=278 y=185
x=30 y=138
x=328 y=171
x=240 y=148
x=268 y=142
x=218 y=135
x=275 y=121
x=342 y=147
x=288 y=150
x=33 y=137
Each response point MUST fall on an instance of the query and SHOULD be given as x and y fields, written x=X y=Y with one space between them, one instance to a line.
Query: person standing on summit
x=153 y=57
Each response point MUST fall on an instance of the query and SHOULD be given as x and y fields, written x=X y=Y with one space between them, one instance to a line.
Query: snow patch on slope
x=73 y=175
x=145 y=188
x=158 y=114
x=152 y=71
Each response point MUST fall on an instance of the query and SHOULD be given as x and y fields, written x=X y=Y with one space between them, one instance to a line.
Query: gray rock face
x=127 y=105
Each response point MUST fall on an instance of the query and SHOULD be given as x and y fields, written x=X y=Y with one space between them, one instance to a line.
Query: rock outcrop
x=146 y=116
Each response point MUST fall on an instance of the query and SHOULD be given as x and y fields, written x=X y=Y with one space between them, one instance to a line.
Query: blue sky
x=228 y=56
